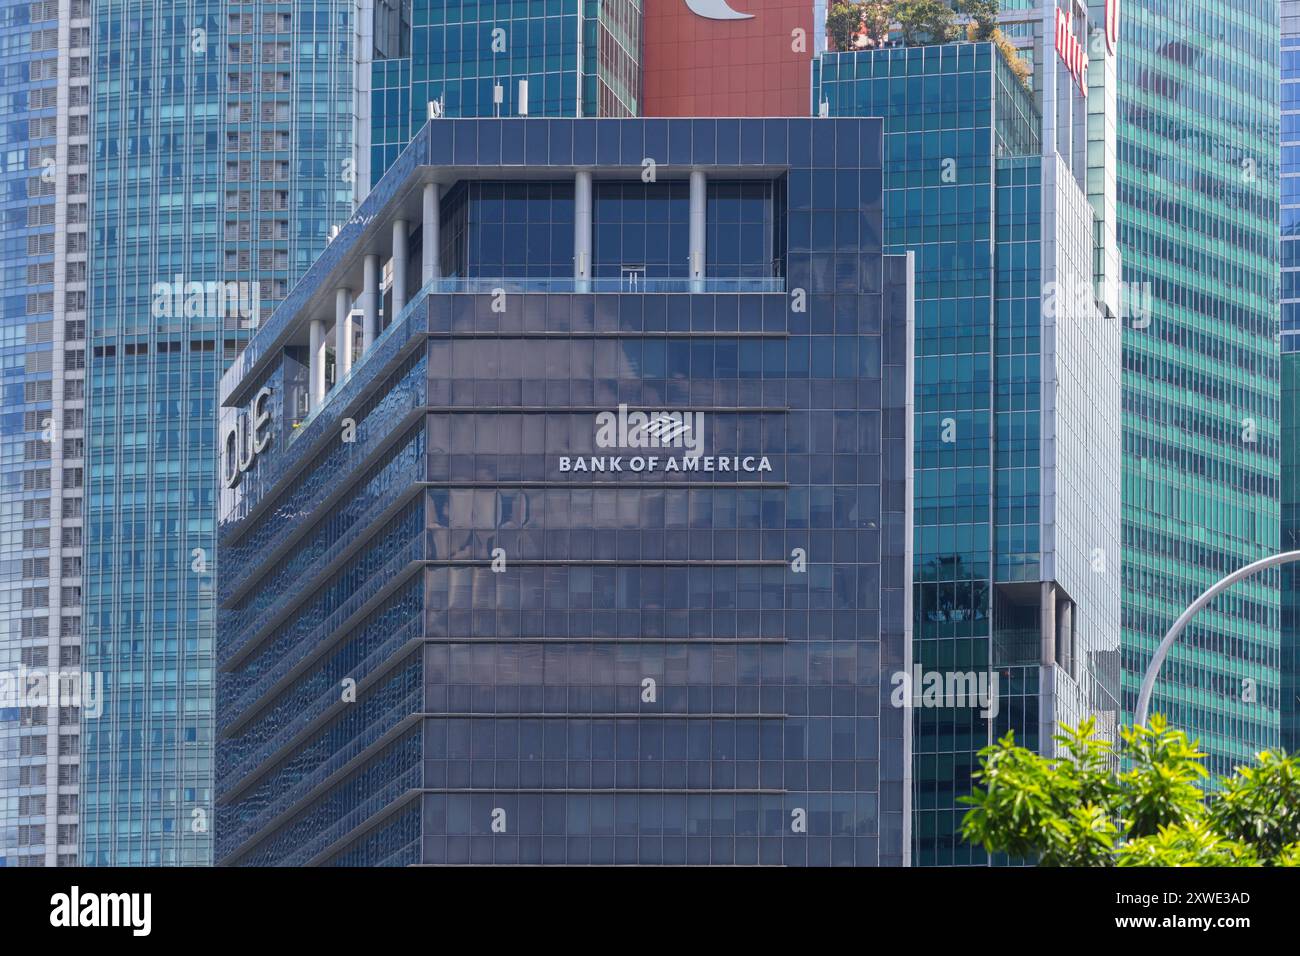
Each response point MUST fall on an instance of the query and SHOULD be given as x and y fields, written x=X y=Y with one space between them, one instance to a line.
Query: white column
x=400 y=227
x=582 y=231
x=431 y=234
x=698 y=215
x=1047 y=640
x=1065 y=626
x=316 y=362
x=370 y=303
x=342 y=333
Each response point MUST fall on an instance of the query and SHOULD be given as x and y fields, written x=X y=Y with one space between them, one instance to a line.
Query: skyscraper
x=1198 y=203
x=569 y=58
x=998 y=184
x=1289 y=99
x=45 y=84
x=222 y=148
x=597 y=553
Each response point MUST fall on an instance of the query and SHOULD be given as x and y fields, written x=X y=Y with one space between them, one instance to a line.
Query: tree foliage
x=924 y=21
x=842 y=22
x=1077 y=809
x=869 y=23
x=984 y=18
x=877 y=16
x=850 y=23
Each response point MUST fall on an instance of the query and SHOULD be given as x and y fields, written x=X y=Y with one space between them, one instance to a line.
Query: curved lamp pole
x=1153 y=669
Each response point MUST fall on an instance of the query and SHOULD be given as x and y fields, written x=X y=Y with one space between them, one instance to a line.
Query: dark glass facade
x=524 y=229
x=584 y=578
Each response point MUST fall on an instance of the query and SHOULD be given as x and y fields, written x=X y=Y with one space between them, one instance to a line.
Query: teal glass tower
x=553 y=58
x=990 y=181
x=1198 y=213
x=222 y=145
x=1289 y=98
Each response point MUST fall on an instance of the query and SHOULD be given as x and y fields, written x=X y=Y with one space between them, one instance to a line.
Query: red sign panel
x=1070 y=50
x=728 y=57
x=1112 y=25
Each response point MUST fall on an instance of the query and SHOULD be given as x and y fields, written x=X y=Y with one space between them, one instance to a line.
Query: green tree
x=877 y=16
x=1261 y=806
x=842 y=22
x=924 y=21
x=1077 y=810
x=984 y=18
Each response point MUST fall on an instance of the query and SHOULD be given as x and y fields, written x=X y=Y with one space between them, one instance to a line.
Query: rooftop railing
x=625 y=284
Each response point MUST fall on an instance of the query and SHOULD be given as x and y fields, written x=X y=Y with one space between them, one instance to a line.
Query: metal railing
x=638 y=285
x=407 y=310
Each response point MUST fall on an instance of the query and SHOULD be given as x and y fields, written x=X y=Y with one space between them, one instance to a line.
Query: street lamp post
x=1153 y=669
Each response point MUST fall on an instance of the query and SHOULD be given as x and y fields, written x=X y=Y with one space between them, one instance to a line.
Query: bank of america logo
x=716 y=10
x=666 y=429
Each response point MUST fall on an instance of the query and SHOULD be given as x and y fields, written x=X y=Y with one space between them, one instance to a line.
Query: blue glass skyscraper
x=157 y=215
x=222 y=147
x=497 y=58
x=44 y=99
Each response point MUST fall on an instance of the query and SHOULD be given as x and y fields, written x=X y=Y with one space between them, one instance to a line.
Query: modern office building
x=1289 y=99
x=45 y=101
x=1004 y=191
x=593 y=546
x=222 y=150
x=1198 y=205
x=558 y=58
